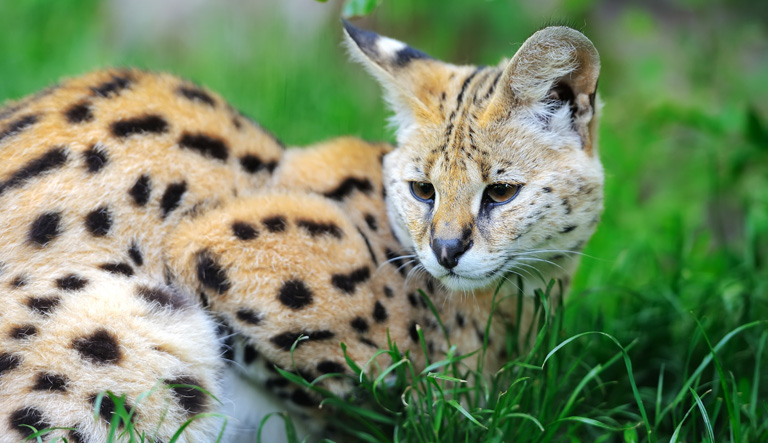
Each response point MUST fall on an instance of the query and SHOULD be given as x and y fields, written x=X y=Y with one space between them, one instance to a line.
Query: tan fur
x=141 y=213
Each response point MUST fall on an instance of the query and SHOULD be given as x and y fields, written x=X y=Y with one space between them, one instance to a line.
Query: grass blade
x=595 y=423
x=627 y=363
x=705 y=362
x=676 y=434
x=756 y=377
x=464 y=412
x=733 y=415
x=704 y=415
x=524 y=416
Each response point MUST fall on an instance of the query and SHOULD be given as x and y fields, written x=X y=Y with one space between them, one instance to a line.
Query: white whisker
x=541 y=260
x=394 y=259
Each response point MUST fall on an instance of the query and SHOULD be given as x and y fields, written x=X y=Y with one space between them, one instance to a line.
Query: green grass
x=665 y=328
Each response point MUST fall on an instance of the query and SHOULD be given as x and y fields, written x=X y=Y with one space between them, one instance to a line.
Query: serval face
x=496 y=169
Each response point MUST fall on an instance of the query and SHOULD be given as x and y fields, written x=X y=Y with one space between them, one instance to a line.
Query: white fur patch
x=389 y=46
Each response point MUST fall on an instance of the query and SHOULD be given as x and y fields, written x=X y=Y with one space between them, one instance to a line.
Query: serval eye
x=423 y=191
x=499 y=193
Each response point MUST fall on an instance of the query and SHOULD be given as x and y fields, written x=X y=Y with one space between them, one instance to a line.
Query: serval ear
x=408 y=76
x=556 y=66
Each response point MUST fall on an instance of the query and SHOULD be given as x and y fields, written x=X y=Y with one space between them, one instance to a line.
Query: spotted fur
x=151 y=234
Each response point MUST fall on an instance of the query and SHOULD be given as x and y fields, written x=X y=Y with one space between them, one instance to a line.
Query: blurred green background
x=684 y=135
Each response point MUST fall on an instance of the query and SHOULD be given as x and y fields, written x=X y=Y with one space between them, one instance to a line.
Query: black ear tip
x=366 y=40
x=351 y=30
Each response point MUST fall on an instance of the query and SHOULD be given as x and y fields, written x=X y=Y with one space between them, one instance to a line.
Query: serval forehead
x=469 y=151
x=468 y=90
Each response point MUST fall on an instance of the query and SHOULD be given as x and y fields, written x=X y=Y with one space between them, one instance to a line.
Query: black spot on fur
x=225 y=334
x=71 y=282
x=348 y=186
x=254 y=164
x=191 y=399
x=163 y=297
x=430 y=286
x=45 y=228
x=547 y=190
x=379 y=312
x=113 y=87
x=330 y=367
x=250 y=354
x=52 y=159
x=9 y=362
x=359 y=324
x=79 y=113
x=567 y=205
x=567 y=229
x=249 y=316
x=285 y=340
x=302 y=398
x=413 y=332
x=368 y=342
x=274 y=383
x=46 y=381
x=118 y=268
x=149 y=124
x=412 y=300
x=396 y=261
x=22 y=332
x=460 y=320
x=205 y=145
x=348 y=282
x=101 y=347
x=135 y=253
x=43 y=305
x=388 y=292
x=95 y=158
x=371 y=221
x=275 y=224
x=204 y=300
x=75 y=436
x=211 y=274
x=99 y=221
x=481 y=336
x=168 y=274
x=108 y=407
x=17 y=126
x=172 y=197
x=19 y=281
x=244 y=231
x=295 y=294
x=196 y=94
x=317 y=229
x=368 y=245
x=28 y=416
x=140 y=190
